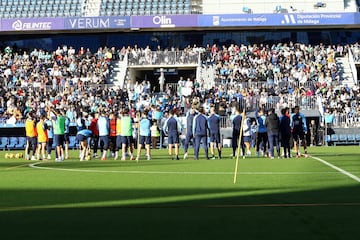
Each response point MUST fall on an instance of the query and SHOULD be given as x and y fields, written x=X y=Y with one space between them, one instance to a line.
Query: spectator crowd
x=254 y=76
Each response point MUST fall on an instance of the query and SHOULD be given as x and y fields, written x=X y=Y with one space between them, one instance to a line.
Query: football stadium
x=179 y=119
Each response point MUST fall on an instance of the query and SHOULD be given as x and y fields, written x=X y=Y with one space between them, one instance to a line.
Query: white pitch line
x=337 y=169
x=35 y=165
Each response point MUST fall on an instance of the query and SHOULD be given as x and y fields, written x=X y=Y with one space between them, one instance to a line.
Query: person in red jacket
x=93 y=127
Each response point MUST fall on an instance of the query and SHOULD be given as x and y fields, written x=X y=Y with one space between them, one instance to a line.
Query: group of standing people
x=272 y=131
x=44 y=131
x=115 y=131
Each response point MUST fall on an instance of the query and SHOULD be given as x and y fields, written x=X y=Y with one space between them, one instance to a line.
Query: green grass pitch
x=308 y=198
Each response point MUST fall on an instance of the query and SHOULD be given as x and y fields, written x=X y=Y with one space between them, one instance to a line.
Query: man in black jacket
x=272 y=124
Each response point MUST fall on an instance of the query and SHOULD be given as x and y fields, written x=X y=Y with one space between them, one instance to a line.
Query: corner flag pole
x=239 y=145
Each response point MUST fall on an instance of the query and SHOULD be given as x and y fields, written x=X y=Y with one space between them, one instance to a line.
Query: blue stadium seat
x=135 y=12
x=357 y=137
x=73 y=142
x=13 y=141
x=351 y=137
x=343 y=137
x=4 y=142
x=115 y=12
x=21 y=144
x=334 y=138
x=141 y=12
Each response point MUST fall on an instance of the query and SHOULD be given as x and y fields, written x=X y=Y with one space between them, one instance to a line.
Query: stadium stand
x=77 y=8
x=277 y=75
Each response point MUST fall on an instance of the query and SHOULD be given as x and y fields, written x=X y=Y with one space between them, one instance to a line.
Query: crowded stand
x=284 y=75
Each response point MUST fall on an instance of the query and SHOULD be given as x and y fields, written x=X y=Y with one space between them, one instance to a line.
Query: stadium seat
x=334 y=138
x=342 y=137
x=351 y=137
x=141 y=12
x=21 y=144
x=357 y=137
x=4 y=142
x=73 y=143
x=13 y=141
x=226 y=136
x=246 y=10
x=278 y=9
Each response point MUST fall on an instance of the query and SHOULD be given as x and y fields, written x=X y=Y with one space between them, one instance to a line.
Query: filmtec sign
x=28 y=24
x=97 y=22
x=164 y=21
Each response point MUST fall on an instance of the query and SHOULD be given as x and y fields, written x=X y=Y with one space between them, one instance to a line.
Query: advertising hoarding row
x=181 y=21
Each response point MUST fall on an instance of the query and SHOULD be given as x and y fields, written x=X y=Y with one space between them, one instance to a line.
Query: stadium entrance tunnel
x=172 y=76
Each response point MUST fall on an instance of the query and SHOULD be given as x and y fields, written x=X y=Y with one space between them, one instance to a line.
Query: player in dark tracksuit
x=172 y=127
x=285 y=132
x=200 y=131
x=236 y=121
x=214 y=127
x=299 y=130
x=189 y=130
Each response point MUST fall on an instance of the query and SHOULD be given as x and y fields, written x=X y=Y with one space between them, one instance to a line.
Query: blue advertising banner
x=97 y=22
x=31 y=24
x=276 y=20
x=164 y=21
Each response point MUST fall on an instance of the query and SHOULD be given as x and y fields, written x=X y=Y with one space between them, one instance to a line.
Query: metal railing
x=143 y=58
